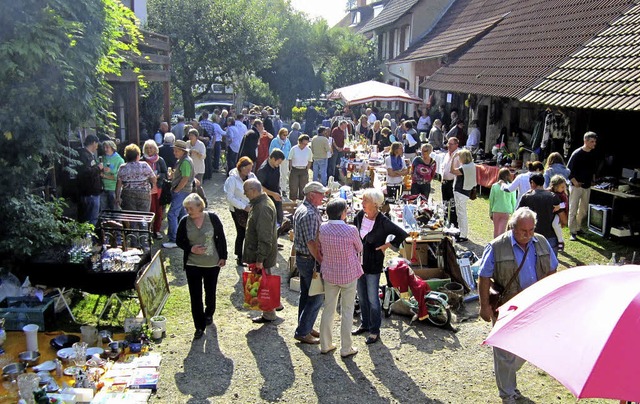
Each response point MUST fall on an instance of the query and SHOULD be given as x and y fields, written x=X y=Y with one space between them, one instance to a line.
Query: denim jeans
x=108 y=200
x=371 y=314
x=232 y=159
x=334 y=160
x=176 y=211
x=89 y=209
x=320 y=170
x=309 y=306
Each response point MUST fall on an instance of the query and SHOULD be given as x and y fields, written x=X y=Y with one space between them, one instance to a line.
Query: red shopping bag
x=269 y=293
x=251 y=281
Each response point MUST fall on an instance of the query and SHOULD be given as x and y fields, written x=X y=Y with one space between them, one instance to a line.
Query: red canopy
x=370 y=91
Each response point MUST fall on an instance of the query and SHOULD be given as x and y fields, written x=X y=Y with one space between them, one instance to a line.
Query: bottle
x=58 y=368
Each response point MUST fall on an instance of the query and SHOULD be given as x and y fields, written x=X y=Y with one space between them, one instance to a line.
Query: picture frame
x=152 y=287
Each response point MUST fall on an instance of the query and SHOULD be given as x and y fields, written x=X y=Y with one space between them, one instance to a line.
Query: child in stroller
x=404 y=285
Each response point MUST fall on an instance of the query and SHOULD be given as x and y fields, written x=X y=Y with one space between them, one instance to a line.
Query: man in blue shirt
x=501 y=261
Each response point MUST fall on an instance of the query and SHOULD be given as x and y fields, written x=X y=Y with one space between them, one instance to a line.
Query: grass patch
x=589 y=249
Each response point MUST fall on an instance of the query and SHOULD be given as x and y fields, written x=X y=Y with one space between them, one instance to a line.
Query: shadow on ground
x=211 y=381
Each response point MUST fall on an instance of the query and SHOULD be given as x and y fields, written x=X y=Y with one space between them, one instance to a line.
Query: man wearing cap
x=89 y=181
x=261 y=237
x=181 y=180
x=306 y=227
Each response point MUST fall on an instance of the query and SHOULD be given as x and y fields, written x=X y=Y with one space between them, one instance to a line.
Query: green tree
x=353 y=59
x=55 y=55
x=213 y=41
x=255 y=90
x=292 y=74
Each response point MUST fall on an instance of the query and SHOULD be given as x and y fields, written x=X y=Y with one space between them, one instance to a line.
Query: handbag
x=473 y=194
x=242 y=216
x=497 y=291
x=317 y=284
x=165 y=195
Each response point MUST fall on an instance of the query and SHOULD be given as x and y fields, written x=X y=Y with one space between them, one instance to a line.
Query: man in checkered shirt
x=306 y=225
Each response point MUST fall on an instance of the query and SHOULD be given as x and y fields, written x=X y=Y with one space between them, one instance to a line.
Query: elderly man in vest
x=515 y=260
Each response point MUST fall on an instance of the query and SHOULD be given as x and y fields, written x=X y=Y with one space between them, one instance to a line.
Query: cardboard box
x=430 y=273
x=289 y=207
x=422 y=252
x=435 y=277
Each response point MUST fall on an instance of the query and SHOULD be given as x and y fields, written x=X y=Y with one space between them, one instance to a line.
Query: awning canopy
x=370 y=91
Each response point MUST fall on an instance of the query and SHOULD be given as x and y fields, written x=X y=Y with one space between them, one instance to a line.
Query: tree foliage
x=255 y=90
x=213 y=41
x=314 y=59
x=352 y=59
x=292 y=74
x=55 y=57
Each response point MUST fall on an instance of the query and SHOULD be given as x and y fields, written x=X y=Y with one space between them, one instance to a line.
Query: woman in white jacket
x=238 y=202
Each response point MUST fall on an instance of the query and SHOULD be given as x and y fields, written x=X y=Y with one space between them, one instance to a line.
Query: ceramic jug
x=89 y=335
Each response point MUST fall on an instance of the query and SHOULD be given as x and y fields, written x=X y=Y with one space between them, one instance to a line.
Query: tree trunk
x=188 y=102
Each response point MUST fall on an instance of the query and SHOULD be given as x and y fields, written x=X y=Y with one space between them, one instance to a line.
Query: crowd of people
x=266 y=162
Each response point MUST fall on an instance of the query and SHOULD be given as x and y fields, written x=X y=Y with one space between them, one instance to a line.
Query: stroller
x=404 y=285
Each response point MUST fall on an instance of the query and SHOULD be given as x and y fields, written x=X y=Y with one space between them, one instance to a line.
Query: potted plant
x=137 y=337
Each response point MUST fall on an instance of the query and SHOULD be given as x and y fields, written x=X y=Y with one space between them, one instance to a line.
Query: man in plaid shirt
x=306 y=225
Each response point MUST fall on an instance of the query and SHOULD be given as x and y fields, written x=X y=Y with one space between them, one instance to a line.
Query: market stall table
x=50 y=270
x=16 y=343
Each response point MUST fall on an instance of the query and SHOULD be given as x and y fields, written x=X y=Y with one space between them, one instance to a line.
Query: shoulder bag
x=317 y=284
x=497 y=292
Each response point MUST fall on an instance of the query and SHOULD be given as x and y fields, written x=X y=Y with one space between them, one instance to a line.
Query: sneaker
x=509 y=400
x=574 y=237
x=170 y=244
x=198 y=334
x=158 y=235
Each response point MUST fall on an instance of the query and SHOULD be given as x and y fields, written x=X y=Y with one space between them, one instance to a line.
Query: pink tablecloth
x=486 y=175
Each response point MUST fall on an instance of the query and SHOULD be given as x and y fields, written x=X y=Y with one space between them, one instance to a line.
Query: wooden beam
x=150 y=58
x=148 y=75
x=156 y=44
x=125 y=77
x=156 y=75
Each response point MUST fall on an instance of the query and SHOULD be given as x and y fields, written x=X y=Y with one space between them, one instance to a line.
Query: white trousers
x=461 y=211
x=331 y=293
x=578 y=207
x=284 y=176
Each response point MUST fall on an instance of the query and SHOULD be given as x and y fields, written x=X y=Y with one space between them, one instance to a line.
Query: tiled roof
x=605 y=74
x=389 y=14
x=529 y=43
x=442 y=43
